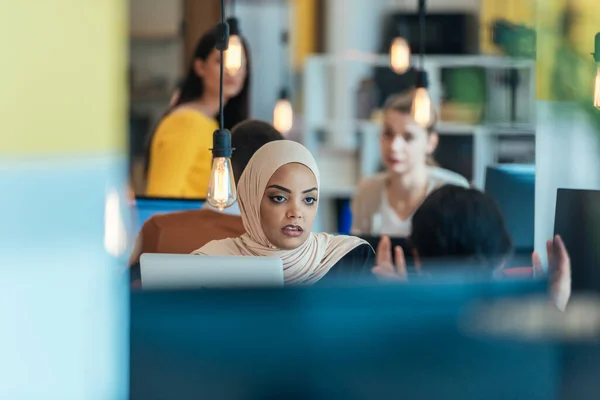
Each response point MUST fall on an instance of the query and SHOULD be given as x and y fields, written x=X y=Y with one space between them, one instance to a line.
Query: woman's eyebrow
x=310 y=190
x=280 y=188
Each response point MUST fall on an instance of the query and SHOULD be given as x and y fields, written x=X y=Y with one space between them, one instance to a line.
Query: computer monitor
x=145 y=207
x=577 y=221
x=513 y=188
x=391 y=341
x=186 y=271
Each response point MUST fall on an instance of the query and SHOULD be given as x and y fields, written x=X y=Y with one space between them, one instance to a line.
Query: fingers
x=383 y=255
x=549 y=252
x=559 y=262
x=416 y=260
x=538 y=269
x=400 y=262
x=560 y=250
x=561 y=267
x=560 y=273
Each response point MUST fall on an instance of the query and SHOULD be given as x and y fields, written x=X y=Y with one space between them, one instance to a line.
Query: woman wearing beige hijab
x=278 y=197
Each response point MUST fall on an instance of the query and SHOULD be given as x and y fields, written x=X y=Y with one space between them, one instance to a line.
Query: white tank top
x=387 y=221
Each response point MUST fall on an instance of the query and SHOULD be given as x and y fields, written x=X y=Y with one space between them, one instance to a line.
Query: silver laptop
x=185 y=271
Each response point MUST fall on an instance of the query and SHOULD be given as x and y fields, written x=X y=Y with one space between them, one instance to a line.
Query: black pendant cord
x=285 y=55
x=221 y=118
x=221 y=137
x=422 y=35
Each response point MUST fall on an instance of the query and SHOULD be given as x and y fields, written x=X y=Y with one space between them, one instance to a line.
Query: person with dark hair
x=458 y=229
x=182 y=232
x=385 y=203
x=179 y=156
x=464 y=224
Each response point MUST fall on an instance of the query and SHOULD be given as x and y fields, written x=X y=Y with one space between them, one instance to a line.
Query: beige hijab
x=304 y=265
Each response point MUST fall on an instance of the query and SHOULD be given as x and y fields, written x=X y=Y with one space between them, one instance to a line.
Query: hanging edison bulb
x=221 y=186
x=283 y=114
x=422 y=110
x=399 y=55
x=597 y=89
x=234 y=55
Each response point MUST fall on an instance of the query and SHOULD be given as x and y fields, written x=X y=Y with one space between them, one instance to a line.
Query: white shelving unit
x=345 y=157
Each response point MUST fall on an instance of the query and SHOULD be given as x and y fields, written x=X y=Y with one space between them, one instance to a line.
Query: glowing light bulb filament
x=283 y=116
x=399 y=55
x=421 y=109
x=221 y=185
x=221 y=188
x=234 y=55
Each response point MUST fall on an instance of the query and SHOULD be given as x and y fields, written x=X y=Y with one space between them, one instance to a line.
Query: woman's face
x=209 y=71
x=405 y=145
x=289 y=206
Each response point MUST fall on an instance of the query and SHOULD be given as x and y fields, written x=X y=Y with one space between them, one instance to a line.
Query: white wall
x=567 y=156
x=262 y=24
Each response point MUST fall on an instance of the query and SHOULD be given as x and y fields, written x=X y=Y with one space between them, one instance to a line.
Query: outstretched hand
x=559 y=271
x=386 y=269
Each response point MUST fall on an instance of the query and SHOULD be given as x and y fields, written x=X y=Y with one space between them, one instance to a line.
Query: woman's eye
x=409 y=138
x=277 y=199
x=388 y=134
x=310 y=201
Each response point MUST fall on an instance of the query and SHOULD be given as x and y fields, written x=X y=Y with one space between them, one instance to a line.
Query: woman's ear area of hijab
x=288 y=206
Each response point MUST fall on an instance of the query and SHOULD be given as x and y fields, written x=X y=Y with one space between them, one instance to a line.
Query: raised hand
x=559 y=271
x=385 y=268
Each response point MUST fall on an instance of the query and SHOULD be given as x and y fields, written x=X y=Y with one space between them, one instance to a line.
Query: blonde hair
x=402 y=103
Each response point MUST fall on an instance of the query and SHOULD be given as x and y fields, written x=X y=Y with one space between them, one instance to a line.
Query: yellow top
x=180 y=156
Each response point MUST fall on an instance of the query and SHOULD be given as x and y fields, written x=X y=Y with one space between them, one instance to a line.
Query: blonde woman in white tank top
x=386 y=202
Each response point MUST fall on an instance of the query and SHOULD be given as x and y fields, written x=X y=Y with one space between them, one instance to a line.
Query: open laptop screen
x=577 y=221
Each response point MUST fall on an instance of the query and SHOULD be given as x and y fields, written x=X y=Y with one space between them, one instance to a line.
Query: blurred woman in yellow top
x=180 y=158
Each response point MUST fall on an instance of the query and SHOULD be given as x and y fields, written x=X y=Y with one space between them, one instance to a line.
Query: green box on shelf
x=464 y=85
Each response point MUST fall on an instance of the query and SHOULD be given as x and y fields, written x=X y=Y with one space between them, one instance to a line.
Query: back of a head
x=460 y=225
x=246 y=138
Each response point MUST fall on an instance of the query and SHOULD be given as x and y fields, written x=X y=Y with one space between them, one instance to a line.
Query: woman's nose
x=398 y=143
x=294 y=211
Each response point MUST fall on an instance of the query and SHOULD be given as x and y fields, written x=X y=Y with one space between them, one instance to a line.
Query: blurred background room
x=335 y=67
x=84 y=88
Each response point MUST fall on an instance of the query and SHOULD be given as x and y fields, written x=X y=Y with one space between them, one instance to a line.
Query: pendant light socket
x=422 y=80
x=284 y=94
x=222 y=36
x=222 y=144
x=234 y=26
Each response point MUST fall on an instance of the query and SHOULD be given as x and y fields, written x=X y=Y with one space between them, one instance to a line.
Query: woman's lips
x=292 y=230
